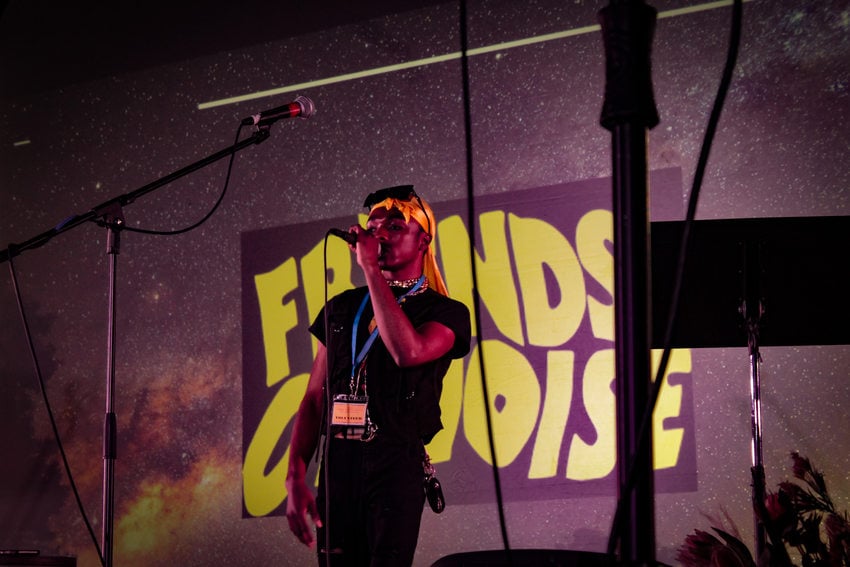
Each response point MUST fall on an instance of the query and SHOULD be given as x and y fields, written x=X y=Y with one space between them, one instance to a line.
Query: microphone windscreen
x=349 y=237
x=308 y=109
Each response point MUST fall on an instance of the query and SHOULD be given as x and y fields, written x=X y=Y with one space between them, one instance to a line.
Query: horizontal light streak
x=448 y=57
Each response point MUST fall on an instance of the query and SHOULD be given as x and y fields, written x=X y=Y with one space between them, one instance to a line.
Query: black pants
x=376 y=502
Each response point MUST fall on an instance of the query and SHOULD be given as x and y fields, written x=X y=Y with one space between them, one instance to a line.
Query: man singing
x=383 y=351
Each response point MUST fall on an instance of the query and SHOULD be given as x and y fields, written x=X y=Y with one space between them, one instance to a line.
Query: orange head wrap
x=404 y=199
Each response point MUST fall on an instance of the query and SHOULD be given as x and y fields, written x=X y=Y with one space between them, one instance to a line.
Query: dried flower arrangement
x=799 y=518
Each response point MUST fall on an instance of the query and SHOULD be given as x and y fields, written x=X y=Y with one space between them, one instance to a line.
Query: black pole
x=628 y=112
x=752 y=311
x=114 y=221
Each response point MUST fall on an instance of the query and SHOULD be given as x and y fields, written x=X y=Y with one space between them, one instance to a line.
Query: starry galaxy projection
x=389 y=103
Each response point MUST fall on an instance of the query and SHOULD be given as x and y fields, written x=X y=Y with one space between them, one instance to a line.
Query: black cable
x=209 y=213
x=684 y=249
x=327 y=417
x=470 y=199
x=42 y=387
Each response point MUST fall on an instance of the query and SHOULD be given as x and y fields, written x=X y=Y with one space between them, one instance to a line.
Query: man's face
x=402 y=243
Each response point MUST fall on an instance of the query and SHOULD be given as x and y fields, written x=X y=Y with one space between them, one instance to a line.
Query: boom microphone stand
x=110 y=215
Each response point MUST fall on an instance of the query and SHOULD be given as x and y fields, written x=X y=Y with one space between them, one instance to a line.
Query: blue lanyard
x=358 y=358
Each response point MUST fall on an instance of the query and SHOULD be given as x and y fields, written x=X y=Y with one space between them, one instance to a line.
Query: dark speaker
x=43 y=560
x=526 y=558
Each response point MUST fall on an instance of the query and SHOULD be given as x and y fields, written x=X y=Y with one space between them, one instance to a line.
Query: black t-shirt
x=403 y=402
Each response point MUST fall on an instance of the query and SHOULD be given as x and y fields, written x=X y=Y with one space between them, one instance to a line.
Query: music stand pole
x=757 y=470
x=752 y=310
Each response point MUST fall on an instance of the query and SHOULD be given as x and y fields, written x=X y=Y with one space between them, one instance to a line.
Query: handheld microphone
x=301 y=106
x=349 y=237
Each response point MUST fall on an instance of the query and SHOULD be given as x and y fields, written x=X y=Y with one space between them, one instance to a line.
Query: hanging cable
x=470 y=200
x=44 y=397
x=209 y=214
x=327 y=413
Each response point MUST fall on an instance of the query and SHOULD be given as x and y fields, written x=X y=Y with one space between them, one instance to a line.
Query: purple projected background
x=543 y=345
x=781 y=150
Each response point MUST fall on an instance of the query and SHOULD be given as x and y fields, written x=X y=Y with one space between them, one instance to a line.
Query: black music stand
x=752 y=282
